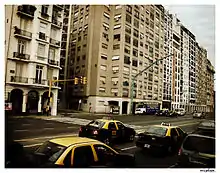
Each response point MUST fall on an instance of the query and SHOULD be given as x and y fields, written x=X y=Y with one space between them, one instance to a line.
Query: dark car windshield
x=160 y=131
x=51 y=150
x=96 y=123
x=200 y=144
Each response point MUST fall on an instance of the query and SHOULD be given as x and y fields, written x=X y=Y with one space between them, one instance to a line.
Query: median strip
x=128 y=148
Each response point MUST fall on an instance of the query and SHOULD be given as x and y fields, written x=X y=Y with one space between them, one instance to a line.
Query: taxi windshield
x=51 y=150
x=160 y=131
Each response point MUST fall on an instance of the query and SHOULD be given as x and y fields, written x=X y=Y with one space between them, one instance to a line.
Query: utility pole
x=132 y=82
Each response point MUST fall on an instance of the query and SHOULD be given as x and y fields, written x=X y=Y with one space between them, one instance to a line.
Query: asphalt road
x=32 y=132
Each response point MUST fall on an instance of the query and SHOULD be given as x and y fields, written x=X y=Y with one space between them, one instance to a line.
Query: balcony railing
x=19 y=79
x=21 y=56
x=54 y=42
x=53 y=62
x=27 y=10
x=56 y=22
x=38 y=81
x=20 y=32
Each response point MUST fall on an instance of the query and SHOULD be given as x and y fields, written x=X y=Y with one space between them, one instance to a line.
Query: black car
x=197 y=151
x=162 y=112
x=107 y=131
x=206 y=128
x=161 y=138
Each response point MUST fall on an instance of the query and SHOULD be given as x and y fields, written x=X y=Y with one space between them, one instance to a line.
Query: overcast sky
x=200 y=20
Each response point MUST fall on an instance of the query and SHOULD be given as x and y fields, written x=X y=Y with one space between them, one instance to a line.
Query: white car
x=180 y=111
x=140 y=110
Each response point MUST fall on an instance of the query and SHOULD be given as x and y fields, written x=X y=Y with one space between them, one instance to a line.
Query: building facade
x=109 y=45
x=33 y=35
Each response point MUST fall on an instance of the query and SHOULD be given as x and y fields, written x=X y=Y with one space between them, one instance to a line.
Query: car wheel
x=131 y=137
x=106 y=141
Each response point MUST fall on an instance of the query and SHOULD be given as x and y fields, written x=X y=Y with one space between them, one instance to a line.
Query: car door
x=174 y=136
x=112 y=130
x=121 y=132
x=105 y=156
x=83 y=157
x=182 y=135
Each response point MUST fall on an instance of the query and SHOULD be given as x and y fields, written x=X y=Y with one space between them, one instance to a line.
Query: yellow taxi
x=107 y=130
x=80 y=152
x=163 y=137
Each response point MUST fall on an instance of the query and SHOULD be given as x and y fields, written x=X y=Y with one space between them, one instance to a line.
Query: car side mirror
x=124 y=160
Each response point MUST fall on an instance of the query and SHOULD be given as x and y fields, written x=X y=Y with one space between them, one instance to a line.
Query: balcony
x=43 y=37
x=26 y=11
x=21 y=56
x=44 y=12
x=53 y=62
x=56 y=23
x=19 y=79
x=60 y=7
x=22 y=33
x=54 y=43
x=39 y=81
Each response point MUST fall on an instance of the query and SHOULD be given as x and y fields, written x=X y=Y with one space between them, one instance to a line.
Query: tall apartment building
x=210 y=86
x=64 y=56
x=33 y=35
x=109 y=45
x=167 y=63
x=201 y=97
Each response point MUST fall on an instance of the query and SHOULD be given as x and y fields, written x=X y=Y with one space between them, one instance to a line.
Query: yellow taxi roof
x=165 y=126
x=105 y=120
x=67 y=141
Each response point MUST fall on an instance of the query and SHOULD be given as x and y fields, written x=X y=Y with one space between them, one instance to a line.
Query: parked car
x=77 y=152
x=172 y=113
x=163 y=112
x=206 y=128
x=180 y=111
x=161 y=138
x=199 y=115
x=197 y=151
x=107 y=130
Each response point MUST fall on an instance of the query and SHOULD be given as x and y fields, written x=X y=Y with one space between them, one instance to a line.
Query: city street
x=33 y=131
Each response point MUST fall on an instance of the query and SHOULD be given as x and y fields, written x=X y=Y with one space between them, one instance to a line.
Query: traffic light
x=84 y=80
x=76 y=80
x=81 y=79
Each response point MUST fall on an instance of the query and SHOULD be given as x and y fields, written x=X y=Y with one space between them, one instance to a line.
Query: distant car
x=199 y=115
x=107 y=130
x=180 y=111
x=172 y=113
x=197 y=151
x=163 y=112
x=161 y=138
x=206 y=128
x=77 y=152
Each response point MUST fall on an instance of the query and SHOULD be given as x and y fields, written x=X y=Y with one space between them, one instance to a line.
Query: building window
x=135 y=42
x=102 y=79
x=136 y=23
x=141 y=44
x=101 y=89
x=117 y=37
x=126 y=69
x=127 y=50
x=78 y=48
x=116 y=46
x=127 y=39
x=116 y=57
x=128 y=18
x=103 y=56
x=104 y=46
x=115 y=69
x=117 y=26
x=51 y=53
x=136 y=33
x=114 y=91
x=117 y=17
x=38 y=76
x=134 y=63
x=118 y=6
x=21 y=46
x=129 y=8
x=84 y=57
x=114 y=80
x=128 y=29
x=135 y=52
x=141 y=54
x=136 y=14
x=125 y=92
x=41 y=50
x=127 y=60
x=106 y=15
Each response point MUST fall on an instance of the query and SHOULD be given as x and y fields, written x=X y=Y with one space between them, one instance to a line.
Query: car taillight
x=95 y=132
x=180 y=152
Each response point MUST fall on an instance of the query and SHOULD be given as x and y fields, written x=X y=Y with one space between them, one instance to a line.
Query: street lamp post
x=132 y=83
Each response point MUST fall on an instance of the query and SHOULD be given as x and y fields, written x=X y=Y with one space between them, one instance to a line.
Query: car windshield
x=200 y=144
x=96 y=123
x=160 y=131
x=51 y=150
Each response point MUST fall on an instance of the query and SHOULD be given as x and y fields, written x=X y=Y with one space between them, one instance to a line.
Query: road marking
x=45 y=137
x=32 y=145
x=26 y=124
x=48 y=128
x=71 y=127
x=183 y=125
x=128 y=148
x=21 y=130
